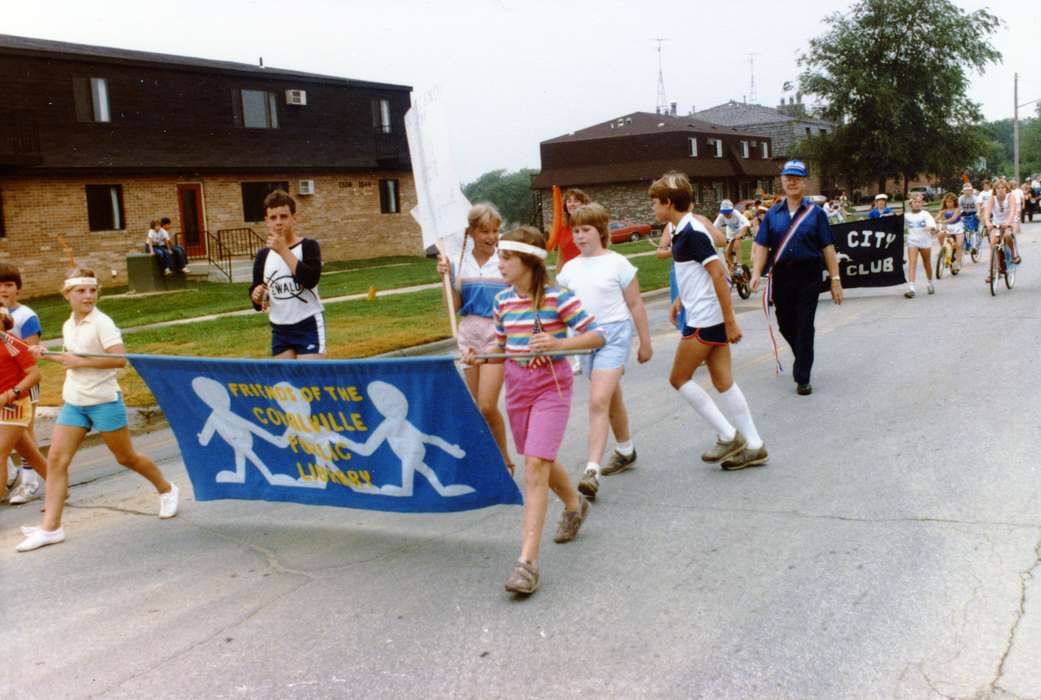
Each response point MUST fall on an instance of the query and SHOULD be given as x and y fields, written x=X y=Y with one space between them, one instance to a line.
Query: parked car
x=928 y=193
x=622 y=231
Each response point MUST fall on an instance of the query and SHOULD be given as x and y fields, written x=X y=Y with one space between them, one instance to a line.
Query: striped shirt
x=516 y=322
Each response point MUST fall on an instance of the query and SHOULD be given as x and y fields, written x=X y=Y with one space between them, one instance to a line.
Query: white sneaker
x=931 y=289
x=168 y=502
x=28 y=489
x=29 y=529
x=41 y=538
x=13 y=470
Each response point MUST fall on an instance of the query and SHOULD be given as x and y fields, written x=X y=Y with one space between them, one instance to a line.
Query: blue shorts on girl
x=615 y=351
x=103 y=417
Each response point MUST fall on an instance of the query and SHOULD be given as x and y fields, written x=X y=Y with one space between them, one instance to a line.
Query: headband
x=527 y=248
x=77 y=281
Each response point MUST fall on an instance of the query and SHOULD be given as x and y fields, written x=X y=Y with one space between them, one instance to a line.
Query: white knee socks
x=707 y=409
x=736 y=407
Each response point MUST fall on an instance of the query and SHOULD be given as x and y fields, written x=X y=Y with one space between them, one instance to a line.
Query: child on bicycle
x=999 y=219
x=950 y=224
x=735 y=226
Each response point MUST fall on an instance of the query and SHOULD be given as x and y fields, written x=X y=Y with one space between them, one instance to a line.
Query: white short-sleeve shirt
x=732 y=224
x=87 y=386
x=599 y=281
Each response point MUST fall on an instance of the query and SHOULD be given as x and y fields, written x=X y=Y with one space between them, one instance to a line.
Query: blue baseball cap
x=726 y=206
x=795 y=167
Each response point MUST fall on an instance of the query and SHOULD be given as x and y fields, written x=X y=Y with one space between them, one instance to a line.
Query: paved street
x=890 y=548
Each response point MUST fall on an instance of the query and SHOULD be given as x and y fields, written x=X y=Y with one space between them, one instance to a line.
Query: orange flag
x=558 y=219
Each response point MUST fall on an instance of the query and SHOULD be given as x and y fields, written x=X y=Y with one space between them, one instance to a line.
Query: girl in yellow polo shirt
x=92 y=400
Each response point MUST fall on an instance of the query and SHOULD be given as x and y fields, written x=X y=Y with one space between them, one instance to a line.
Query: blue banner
x=396 y=434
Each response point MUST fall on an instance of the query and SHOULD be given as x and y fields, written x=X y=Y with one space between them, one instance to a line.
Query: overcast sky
x=513 y=73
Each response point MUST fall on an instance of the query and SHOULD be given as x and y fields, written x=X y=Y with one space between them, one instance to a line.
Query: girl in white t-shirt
x=92 y=400
x=920 y=228
x=606 y=284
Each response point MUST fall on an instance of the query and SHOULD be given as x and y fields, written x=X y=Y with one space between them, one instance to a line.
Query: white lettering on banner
x=874 y=267
x=882 y=239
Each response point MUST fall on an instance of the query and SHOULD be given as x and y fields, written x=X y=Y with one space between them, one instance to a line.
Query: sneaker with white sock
x=589 y=484
x=168 y=502
x=28 y=488
x=930 y=288
x=41 y=538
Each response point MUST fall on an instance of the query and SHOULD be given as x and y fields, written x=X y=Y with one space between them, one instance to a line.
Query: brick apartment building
x=615 y=162
x=99 y=141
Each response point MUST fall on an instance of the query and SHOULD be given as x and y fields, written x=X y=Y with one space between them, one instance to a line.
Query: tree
x=509 y=192
x=894 y=76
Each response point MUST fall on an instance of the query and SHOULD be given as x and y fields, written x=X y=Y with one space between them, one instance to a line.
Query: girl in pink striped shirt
x=532 y=316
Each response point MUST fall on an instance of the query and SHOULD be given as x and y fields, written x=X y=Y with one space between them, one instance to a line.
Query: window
x=253 y=194
x=719 y=189
x=718 y=145
x=747 y=190
x=91 y=98
x=381 y=115
x=389 y=203
x=693 y=146
x=822 y=132
x=105 y=207
x=255 y=109
x=766 y=149
x=809 y=131
x=744 y=149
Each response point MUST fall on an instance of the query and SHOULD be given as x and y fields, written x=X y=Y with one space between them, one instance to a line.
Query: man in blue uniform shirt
x=792 y=243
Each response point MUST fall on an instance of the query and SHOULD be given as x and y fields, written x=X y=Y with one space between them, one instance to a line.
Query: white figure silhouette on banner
x=406 y=441
x=238 y=433
x=320 y=443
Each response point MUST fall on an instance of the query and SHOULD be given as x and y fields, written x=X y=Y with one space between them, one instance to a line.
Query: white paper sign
x=442 y=207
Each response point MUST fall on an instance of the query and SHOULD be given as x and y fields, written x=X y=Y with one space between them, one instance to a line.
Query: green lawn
x=204 y=298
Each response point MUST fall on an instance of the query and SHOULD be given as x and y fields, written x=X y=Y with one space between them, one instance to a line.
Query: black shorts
x=709 y=335
x=306 y=337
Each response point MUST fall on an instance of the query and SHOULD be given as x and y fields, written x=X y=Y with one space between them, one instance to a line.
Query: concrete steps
x=201 y=270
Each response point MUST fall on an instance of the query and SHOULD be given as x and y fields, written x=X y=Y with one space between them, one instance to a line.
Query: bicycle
x=1001 y=264
x=740 y=274
x=945 y=260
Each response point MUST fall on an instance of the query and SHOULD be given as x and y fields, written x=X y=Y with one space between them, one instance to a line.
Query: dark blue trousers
x=796 y=289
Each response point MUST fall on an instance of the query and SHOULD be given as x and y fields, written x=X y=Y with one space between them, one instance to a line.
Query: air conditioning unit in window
x=305 y=187
x=296 y=97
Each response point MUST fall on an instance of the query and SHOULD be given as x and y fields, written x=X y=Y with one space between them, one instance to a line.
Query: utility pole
x=663 y=103
x=1015 y=122
x=1015 y=125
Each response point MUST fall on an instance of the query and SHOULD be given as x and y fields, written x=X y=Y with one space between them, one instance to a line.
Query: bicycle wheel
x=939 y=261
x=995 y=270
x=743 y=289
x=1010 y=272
x=974 y=252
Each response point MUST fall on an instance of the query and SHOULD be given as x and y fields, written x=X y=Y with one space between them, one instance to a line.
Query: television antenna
x=752 y=97
x=663 y=103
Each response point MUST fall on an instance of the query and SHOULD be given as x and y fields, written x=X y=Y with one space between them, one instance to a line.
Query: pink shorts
x=538 y=413
x=476 y=332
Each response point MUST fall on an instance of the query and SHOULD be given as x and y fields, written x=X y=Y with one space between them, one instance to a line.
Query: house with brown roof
x=615 y=161
x=98 y=141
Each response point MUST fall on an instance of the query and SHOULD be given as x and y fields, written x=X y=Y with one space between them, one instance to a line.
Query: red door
x=193 y=225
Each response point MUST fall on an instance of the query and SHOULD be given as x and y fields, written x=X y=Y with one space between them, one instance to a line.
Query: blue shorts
x=709 y=335
x=971 y=223
x=305 y=337
x=103 y=417
x=614 y=353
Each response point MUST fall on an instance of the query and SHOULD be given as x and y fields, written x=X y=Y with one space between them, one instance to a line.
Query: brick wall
x=343 y=215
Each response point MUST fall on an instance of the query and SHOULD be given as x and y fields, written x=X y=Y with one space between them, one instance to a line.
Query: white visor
x=526 y=248
x=77 y=281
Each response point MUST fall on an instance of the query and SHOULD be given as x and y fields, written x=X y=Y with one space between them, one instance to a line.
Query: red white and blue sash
x=768 y=292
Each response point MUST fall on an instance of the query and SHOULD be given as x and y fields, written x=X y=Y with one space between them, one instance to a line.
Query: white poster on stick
x=441 y=205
